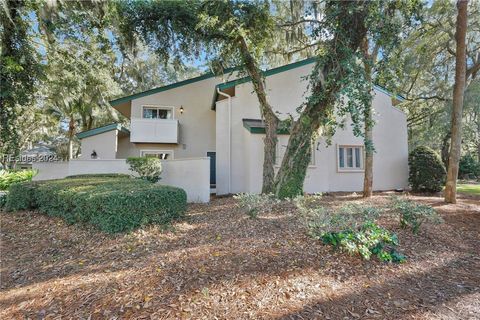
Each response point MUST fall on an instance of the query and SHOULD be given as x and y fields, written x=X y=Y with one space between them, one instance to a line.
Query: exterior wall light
x=94 y=155
x=181 y=110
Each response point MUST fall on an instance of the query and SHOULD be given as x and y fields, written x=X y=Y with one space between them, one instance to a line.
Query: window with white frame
x=349 y=158
x=280 y=152
x=155 y=112
x=160 y=154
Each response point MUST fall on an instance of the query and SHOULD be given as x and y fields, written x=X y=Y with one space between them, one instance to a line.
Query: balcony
x=154 y=130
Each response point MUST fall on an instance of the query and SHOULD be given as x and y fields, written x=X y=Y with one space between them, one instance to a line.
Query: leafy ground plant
x=255 y=204
x=352 y=229
x=7 y=178
x=413 y=215
x=148 y=168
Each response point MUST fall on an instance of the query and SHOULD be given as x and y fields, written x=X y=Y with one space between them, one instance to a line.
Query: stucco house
x=219 y=117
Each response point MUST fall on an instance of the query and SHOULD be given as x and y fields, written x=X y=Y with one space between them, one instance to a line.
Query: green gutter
x=99 y=130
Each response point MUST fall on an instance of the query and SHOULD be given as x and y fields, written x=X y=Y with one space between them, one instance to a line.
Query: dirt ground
x=220 y=264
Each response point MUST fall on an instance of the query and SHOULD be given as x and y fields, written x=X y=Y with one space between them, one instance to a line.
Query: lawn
x=469 y=188
x=219 y=263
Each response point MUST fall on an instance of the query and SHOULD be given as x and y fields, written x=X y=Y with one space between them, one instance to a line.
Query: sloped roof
x=99 y=130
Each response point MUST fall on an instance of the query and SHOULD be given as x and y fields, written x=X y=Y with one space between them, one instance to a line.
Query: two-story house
x=209 y=116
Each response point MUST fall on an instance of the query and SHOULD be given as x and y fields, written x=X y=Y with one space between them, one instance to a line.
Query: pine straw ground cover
x=220 y=264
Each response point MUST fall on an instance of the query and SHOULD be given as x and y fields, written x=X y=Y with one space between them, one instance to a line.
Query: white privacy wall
x=286 y=92
x=192 y=175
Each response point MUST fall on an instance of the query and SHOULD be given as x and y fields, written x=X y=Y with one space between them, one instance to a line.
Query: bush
x=370 y=239
x=413 y=215
x=3 y=199
x=255 y=204
x=469 y=167
x=110 y=204
x=427 y=172
x=99 y=175
x=7 y=178
x=350 y=228
x=148 y=168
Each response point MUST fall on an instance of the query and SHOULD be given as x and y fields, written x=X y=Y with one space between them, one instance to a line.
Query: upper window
x=157 y=112
x=350 y=158
x=160 y=154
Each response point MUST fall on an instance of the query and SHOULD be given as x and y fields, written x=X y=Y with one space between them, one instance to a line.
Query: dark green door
x=213 y=176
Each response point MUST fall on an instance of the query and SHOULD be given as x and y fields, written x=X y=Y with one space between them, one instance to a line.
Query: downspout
x=229 y=97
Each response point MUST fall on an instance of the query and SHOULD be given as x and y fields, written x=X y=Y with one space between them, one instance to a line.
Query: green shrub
x=370 y=239
x=110 y=204
x=99 y=175
x=255 y=204
x=413 y=215
x=7 y=178
x=148 y=168
x=427 y=172
x=3 y=199
x=350 y=228
x=469 y=167
x=21 y=196
x=350 y=216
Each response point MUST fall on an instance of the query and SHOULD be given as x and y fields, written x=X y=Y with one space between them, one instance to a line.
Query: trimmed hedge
x=110 y=204
x=427 y=172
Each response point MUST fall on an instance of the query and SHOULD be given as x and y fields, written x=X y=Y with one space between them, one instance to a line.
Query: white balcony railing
x=154 y=130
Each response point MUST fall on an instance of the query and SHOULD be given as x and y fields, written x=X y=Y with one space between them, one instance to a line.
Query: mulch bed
x=220 y=264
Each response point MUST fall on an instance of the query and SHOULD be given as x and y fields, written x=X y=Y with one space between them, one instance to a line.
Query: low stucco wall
x=192 y=175
x=50 y=170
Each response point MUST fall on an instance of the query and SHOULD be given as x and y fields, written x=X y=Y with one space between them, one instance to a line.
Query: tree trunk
x=446 y=149
x=271 y=120
x=368 y=120
x=71 y=133
x=458 y=92
x=369 y=150
x=326 y=83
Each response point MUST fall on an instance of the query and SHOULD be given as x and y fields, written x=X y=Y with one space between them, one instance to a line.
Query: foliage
x=110 y=204
x=413 y=215
x=7 y=178
x=255 y=204
x=351 y=228
x=370 y=239
x=322 y=219
x=422 y=70
x=99 y=175
x=19 y=73
x=427 y=172
x=3 y=199
x=469 y=167
x=148 y=168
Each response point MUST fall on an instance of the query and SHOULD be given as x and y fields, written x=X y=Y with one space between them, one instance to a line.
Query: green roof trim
x=267 y=73
x=168 y=87
x=301 y=63
x=99 y=130
x=257 y=126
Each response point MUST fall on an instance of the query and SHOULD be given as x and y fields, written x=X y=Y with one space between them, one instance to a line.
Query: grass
x=469 y=188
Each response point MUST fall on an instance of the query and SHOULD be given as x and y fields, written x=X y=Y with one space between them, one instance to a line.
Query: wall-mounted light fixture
x=181 y=109
x=94 y=155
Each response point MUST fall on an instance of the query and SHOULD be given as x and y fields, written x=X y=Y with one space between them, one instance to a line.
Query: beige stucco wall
x=286 y=91
x=196 y=124
x=104 y=144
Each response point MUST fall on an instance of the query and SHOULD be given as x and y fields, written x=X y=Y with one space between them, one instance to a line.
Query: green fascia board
x=383 y=90
x=284 y=68
x=261 y=130
x=99 y=130
x=267 y=73
x=168 y=87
